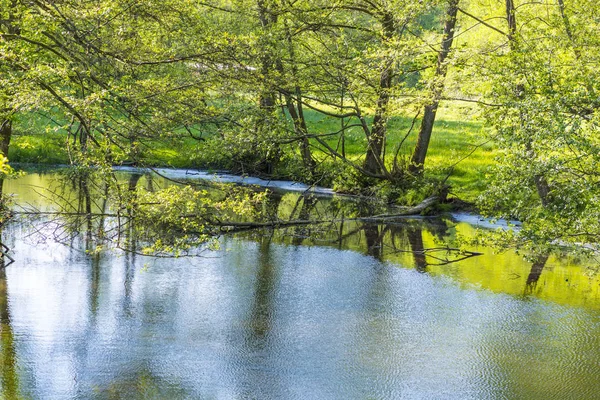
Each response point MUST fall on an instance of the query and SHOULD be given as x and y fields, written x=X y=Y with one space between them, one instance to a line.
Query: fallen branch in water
x=406 y=211
x=230 y=226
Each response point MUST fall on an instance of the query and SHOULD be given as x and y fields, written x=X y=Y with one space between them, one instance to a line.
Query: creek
x=347 y=310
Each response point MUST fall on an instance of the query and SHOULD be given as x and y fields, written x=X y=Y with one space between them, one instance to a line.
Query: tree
x=547 y=126
x=437 y=87
x=8 y=28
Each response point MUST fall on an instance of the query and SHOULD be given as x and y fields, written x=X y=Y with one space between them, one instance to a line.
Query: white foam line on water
x=228 y=178
x=481 y=222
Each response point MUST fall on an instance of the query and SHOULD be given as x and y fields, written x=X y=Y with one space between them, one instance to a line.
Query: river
x=344 y=311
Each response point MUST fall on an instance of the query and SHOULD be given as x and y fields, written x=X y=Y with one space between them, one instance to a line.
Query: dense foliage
x=242 y=79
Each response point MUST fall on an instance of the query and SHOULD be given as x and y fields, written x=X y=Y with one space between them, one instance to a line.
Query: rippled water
x=273 y=318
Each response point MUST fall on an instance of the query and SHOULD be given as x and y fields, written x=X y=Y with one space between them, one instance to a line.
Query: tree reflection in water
x=536 y=271
x=161 y=321
x=88 y=217
x=10 y=377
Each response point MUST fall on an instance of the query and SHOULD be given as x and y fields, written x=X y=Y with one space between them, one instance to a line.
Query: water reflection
x=345 y=309
x=304 y=208
x=261 y=319
x=415 y=238
x=259 y=338
x=424 y=244
x=537 y=267
x=10 y=379
x=263 y=303
x=374 y=240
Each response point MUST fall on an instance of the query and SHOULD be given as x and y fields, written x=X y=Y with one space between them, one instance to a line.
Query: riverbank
x=458 y=143
x=431 y=206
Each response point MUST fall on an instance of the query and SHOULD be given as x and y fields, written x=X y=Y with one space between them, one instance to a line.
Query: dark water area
x=346 y=310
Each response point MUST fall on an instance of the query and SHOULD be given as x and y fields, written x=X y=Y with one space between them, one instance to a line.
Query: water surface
x=350 y=311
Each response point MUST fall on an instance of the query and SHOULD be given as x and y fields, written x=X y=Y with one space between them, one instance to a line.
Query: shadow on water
x=429 y=245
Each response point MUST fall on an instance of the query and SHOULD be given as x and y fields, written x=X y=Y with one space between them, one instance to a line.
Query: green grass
x=48 y=148
x=457 y=133
x=458 y=140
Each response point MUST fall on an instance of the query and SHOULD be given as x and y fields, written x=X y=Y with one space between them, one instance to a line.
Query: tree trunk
x=268 y=95
x=267 y=19
x=374 y=162
x=420 y=152
x=540 y=181
x=301 y=130
x=512 y=22
x=5 y=136
x=297 y=113
x=307 y=159
x=568 y=30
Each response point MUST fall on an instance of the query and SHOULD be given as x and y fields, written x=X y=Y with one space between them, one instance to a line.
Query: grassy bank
x=458 y=140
